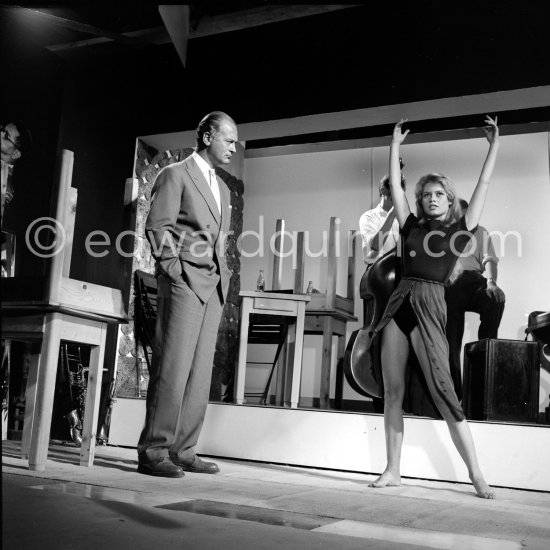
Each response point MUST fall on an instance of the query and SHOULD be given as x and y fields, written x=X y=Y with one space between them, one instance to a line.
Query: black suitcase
x=501 y=380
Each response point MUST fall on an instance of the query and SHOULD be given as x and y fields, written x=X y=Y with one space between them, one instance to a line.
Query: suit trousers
x=181 y=371
x=468 y=293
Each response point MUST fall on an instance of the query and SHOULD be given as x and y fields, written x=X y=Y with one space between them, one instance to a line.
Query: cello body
x=362 y=366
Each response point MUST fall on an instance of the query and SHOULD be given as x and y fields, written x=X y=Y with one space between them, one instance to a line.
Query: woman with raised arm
x=416 y=311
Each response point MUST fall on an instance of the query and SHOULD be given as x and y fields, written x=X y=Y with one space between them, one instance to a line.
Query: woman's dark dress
x=429 y=253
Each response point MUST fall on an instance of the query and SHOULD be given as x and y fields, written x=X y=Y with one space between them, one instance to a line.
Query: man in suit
x=186 y=227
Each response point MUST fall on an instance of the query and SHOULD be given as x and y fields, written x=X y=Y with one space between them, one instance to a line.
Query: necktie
x=215 y=188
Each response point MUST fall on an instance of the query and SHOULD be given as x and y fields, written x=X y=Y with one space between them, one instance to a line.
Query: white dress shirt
x=210 y=176
x=369 y=224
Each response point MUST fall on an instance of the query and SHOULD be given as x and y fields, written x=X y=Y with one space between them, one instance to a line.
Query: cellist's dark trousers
x=468 y=293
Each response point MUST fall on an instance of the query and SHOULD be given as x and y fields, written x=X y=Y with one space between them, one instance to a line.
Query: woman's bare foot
x=482 y=489
x=387 y=479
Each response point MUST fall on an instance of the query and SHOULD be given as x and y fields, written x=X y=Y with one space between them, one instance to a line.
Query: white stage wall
x=306 y=189
x=510 y=455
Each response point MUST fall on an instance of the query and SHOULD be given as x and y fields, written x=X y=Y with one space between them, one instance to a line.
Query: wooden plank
x=98 y=299
x=299 y=271
x=45 y=386
x=350 y=294
x=296 y=376
x=278 y=295
x=62 y=184
x=93 y=396
x=30 y=400
x=318 y=302
x=277 y=260
x=176 y=21
x=344 y=305
x=274 y=305
x=207 y=25
x=69 y=232
x=32 y=15
x=326 y=363
x=494 y=102
x=332 y=265
x=84 y=331
x=130 y=191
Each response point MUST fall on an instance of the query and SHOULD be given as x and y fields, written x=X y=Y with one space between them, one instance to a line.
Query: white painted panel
x=509 y=455
x=127 y=421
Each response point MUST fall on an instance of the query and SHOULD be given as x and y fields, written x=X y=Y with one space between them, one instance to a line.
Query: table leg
x=93 y=397
x=297 y=358
x=289 y=392
x=30 y=400
x=240 y=373
x=326 y=363
x=45 y=387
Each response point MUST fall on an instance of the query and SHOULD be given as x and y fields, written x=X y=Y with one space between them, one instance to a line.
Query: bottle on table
x=260 y=286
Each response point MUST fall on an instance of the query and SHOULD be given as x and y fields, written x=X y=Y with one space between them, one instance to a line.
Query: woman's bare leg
x=460 y=432
x=395 y=351
x=464 y=442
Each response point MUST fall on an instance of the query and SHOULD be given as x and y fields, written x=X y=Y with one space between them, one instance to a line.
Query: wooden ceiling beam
x=216 y=24
x=102 y=34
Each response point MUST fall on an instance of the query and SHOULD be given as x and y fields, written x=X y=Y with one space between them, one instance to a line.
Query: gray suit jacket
x=186 y=232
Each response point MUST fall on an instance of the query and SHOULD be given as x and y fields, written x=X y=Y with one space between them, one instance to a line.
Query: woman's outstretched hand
x=491 y=129
x=398 y=134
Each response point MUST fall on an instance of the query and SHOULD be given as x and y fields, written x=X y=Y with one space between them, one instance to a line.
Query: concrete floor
x=251 y=506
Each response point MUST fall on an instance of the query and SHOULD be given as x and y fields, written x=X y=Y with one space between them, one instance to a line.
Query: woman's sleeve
x=409 y=223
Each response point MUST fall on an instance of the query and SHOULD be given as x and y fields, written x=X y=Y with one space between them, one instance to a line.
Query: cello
x=362 y=366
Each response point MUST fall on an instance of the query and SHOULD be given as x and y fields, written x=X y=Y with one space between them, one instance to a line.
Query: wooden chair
x=328 y=313
x=145 y=306
x=50 y=311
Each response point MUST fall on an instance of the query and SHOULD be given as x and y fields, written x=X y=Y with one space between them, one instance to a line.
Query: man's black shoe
x=161 y=467
x=197 y=466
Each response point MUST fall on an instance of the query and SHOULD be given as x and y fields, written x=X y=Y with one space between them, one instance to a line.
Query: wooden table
x=49 y=326
x=279 y=304
x=47 y=310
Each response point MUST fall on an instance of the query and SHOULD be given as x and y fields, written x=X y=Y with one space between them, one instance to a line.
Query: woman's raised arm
x=473 y=214
x=400 y=203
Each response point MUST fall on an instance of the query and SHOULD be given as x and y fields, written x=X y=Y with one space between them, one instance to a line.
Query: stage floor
x=251 y=506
